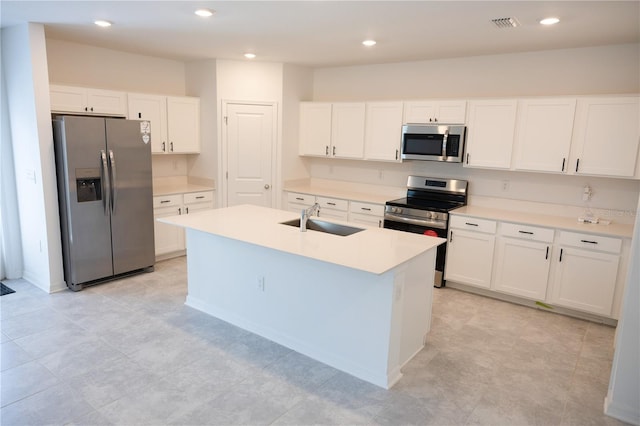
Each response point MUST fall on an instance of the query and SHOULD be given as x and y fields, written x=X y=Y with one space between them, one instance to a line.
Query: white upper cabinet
x=347 y=130
x=333 y=130
x=452 y=112
x=606 y=136
x=183 y=124
x=383 y=131
x=175 y=121
x=544 y=134
x=154 y=109
x=315 y=128
x=82 y=100
x=490 y=131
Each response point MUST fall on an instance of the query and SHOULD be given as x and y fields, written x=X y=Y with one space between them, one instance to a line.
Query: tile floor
x=130 y=353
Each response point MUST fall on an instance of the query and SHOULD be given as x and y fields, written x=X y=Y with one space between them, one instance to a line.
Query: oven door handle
x=418 y=222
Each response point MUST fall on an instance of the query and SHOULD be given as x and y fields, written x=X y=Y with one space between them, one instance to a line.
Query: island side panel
x=413 y=297
x=337 y=315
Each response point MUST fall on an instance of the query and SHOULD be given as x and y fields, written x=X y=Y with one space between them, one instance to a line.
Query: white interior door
x=250 y=131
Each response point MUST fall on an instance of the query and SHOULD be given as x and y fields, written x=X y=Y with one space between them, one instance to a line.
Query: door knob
x=267 y=186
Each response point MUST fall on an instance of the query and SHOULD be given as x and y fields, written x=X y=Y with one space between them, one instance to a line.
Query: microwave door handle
x=444 y=144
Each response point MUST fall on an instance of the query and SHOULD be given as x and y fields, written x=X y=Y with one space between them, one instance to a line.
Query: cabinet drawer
x=297 y=198
x=473 y=223
x=589 y=241
x=333 y=204
x=527 y=232
x=198 y=197
x=366 y=208
x=167 y=201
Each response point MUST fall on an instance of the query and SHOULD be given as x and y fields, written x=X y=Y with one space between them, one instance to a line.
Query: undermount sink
x=327 y=227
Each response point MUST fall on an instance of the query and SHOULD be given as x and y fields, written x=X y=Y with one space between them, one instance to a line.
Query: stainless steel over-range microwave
x=433 y=142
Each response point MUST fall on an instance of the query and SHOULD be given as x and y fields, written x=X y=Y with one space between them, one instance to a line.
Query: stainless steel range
x=425 y=210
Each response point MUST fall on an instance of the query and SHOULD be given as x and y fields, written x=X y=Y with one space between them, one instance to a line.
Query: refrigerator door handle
x=104 y=178
x=114 y=184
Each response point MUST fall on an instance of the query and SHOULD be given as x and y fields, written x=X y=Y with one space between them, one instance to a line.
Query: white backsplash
x=166 y=165
x=561 y=195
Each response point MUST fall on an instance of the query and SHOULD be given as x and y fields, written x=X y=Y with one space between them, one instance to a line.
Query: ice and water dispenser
x=88 y=185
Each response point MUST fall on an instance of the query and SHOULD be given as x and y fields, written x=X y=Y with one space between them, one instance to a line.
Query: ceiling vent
x=506 y=22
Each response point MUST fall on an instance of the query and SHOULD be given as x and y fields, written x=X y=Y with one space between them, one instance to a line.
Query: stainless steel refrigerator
x=105 y=197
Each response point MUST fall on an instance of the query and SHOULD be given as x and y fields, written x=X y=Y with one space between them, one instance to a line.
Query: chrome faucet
x=306 y=214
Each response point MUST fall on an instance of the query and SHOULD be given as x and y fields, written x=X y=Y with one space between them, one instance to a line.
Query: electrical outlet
x=380 y=174
x=587 y=193
x=261 y=283
x=505 y=185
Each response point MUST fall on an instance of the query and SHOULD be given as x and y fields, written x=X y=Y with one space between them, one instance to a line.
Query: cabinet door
x=522 y=268
x=606 y=136
x=154 y=109
x=420 y=112
x=315 y=128
x=452 y=112
x=365 y=219
x=68 y=99
x=490 y=133
x=347 y=130
x=107 y=102
x=183 y=125
x=544 y=134
x=469 y=257
x=168 y=238
x=585 y=280
x=383 y=131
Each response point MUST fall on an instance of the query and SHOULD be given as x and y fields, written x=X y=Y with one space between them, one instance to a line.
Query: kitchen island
x=360 y=303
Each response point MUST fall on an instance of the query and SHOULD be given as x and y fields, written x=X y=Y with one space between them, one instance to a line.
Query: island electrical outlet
x=261 y=283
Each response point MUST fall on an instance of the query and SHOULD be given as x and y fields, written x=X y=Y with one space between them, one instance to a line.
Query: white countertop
x=178 y=188
x=558 y=222
x=375 y=250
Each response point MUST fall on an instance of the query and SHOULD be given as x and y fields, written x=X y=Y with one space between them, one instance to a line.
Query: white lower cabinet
x=470 y=251
x=586 y=272
x=333 y=207
x=357 y=212
x=366 y=213
x=297 y=202
x=523 y=258
x=169 y=239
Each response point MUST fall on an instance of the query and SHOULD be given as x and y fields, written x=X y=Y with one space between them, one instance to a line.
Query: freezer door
x=82 y=193
x=129 y=151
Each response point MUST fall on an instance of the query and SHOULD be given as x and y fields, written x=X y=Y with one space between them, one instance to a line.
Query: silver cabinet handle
x=396 y=154
x=187 y=209
x=164 y=147
x=334 y=151
x=199 y=197
x=171 y=146
x=164 y=201
x=526 y=232
x=471 y=224
x=326 y=150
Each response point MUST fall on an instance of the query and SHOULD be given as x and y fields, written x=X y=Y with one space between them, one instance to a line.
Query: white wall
x=596 y=70
x=592 y=70
x=24 y=62
x=201 y=82
x=90 y=66
x=297 y=86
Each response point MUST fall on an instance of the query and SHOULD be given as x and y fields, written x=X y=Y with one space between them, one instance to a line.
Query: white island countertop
x=374 y=250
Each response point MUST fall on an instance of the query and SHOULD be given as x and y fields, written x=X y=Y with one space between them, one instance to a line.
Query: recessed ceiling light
x=102 y=23
x=549 y=21
x=369 y=43
x=205 y=13
x=249 y=55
